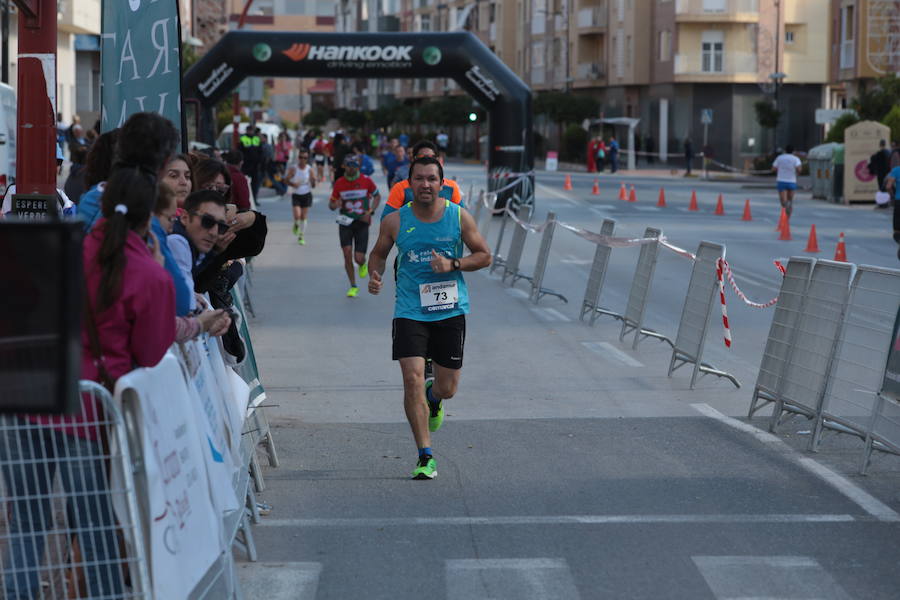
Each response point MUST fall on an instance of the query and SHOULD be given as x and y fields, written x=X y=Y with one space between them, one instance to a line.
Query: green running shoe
x=352 y=292
x=300 y=240
x=364 y=270
x=426 y=469
x=296 y=229
x=435 y=413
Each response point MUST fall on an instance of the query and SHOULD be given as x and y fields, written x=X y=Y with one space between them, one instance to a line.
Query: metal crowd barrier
x=591 y=302
x=479 y=206
x=698 y=303
x=857 y=370
x=640 y=290
x=781 y=331
x=540 y=267
x=67 y=530
x=514 y=257
x=498 y=259
x=805 y=371
x=883 y=432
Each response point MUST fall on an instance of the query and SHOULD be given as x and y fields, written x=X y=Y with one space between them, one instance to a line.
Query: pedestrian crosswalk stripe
x=510 y=579
x=280 y=580
x=769 y=577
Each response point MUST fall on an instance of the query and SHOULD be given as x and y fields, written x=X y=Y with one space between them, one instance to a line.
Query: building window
x=788 y=37
x=628 y=50
x=713 y=5
x=848 y=27
x=665 y=46
x=712 y=48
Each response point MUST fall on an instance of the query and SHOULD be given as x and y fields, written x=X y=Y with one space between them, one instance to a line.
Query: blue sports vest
x=415 y=241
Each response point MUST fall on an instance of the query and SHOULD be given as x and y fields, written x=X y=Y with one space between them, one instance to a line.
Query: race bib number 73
x=440 y=295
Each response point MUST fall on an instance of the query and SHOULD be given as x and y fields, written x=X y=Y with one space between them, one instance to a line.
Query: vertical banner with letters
x=140 y=55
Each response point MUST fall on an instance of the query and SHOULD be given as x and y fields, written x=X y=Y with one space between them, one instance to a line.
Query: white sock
x=303 y=226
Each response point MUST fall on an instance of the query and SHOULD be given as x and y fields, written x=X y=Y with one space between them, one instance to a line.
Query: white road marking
x=550 y=315
x=646 y=208
x=768 y=577
x=612 y=354
x=869 y=503
x=559 y=195
x=280 y=581
x=527 y=520
x=510 y=579
x=759 y=434
x=571 y=259
x=866 y=501
x=517 y=293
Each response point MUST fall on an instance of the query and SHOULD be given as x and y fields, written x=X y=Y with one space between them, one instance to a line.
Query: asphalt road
x=570 y=466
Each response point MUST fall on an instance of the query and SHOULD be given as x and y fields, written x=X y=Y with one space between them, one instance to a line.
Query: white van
x=270 y=129
x=7 y=137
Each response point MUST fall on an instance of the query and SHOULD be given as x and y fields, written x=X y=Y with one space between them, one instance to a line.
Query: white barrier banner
x=208 y=409
x=185 y=529
x=234 y=416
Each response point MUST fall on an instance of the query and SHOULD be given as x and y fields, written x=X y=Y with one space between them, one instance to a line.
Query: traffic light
x=473 y=116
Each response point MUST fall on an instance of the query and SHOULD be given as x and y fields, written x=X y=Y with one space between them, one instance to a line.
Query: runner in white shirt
x=301 y=179
x=788 y=166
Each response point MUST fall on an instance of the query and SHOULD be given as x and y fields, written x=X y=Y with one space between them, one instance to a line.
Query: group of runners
x=425 y=218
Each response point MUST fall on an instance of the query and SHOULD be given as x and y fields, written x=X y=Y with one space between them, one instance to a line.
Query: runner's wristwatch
x=456 y=264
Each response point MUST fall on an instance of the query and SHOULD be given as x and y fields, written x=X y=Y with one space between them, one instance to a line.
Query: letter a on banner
x=140 y=61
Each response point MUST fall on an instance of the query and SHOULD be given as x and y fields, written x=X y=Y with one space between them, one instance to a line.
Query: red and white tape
x=727 y=336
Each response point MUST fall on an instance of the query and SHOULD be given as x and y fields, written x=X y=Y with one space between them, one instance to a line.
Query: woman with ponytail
x=129 y=322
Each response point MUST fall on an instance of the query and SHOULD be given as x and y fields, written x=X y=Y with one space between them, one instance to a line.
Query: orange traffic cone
x=782 y=220
x=813 y=244
x=720 y=207
x=693 y=204
x=785 y=229
x=596 y=189
x=747 y=216
x=840 y=253
x=632 y=197
x=662 y=198
x=568 y=184
x=623 y=195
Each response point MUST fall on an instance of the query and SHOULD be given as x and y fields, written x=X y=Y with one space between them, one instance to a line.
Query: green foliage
x=836 y=132
x=574 y=143
x=446 y=111
x=767 y=115
x=875 y=103
x=353 y=119
x=317 y=117
x=560 y=107
x=892 y=120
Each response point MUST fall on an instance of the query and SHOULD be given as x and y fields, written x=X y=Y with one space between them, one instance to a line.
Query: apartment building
x=288 y=99
x=865 y=45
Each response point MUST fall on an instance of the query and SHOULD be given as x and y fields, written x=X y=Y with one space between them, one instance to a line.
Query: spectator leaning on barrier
x=198 y=230
x=212 y=174
x=161 y=225
x=130 y=321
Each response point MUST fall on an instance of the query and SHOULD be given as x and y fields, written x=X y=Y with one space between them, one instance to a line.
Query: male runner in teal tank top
x=431 y=297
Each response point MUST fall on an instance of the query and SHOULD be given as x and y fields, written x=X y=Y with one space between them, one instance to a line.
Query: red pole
x=236 y=98
x=36 y=98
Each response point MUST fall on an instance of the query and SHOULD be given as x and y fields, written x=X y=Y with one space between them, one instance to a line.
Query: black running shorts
x=356 y=234
x=442 y=341
x=301 y=200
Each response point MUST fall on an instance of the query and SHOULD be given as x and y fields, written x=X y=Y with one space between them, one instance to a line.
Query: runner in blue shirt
x=431 y=297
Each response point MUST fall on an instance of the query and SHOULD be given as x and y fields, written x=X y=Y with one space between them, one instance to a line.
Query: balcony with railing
x=591 y=19
x=717 y=11
x=590 y=72
x=78 y=16
x=715 y=65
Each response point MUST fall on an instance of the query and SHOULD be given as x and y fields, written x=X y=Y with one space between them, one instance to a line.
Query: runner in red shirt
x=358 y=198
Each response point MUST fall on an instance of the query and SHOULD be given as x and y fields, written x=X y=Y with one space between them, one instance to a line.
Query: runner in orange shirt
x=402 y=194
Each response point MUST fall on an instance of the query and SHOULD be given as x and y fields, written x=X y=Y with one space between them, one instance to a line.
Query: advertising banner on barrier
x=184 y=527
x=248 y=369
x=210 y=418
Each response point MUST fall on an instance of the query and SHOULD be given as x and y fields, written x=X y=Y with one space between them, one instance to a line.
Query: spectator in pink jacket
x=132 y=300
